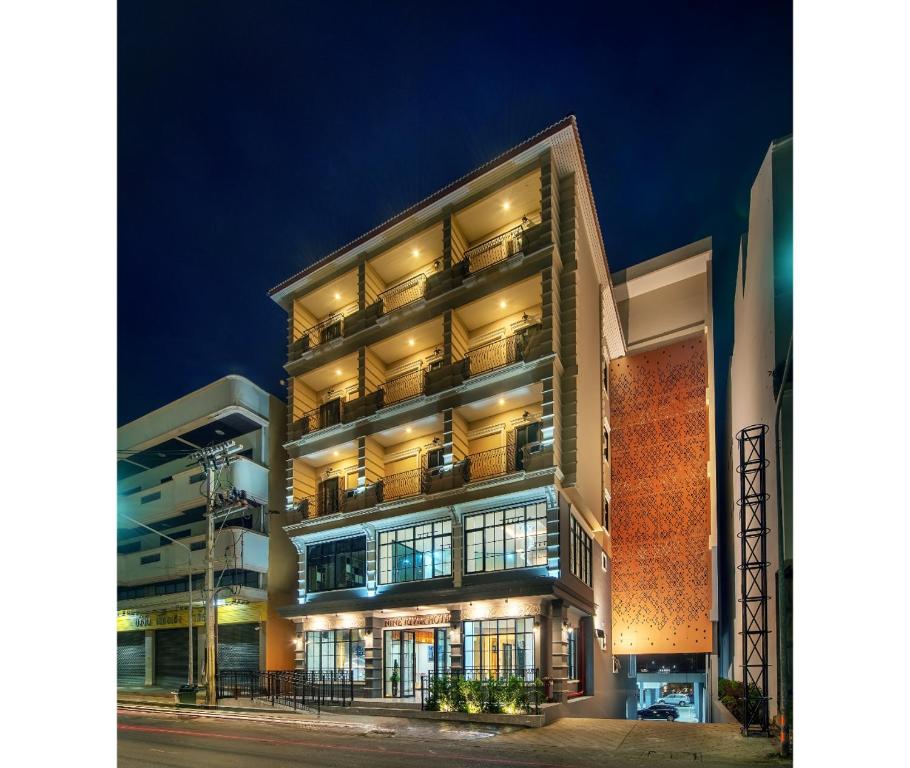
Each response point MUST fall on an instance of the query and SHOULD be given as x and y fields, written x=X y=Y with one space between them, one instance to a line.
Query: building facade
x=663 y=505
x=449 y=470
x=760 y=395
x=161 y=487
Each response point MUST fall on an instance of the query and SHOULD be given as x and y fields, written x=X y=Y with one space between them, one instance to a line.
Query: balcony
x=321 y=333
x=326 y=415
x=401 y=388
x=317 y=317
x=403 y=294
x=319 y=505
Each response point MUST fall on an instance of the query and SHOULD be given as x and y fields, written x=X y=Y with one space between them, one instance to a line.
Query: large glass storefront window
x=336 y=564
x=336 y=650
x=414 y=553
x=506 y=538
x=499 y=648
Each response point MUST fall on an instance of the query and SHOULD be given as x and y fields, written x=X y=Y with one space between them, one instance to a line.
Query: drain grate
x=690 y=756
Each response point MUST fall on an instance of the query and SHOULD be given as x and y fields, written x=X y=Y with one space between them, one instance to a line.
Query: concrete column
x=456 y=640
x=457 y=549
x=149 y=657
x=447 y=242
x=263 y=645
x=447 y=337
x=559 y=649
x=361 y=285
x=361 y=372
x=372 y=675
x=698 y=700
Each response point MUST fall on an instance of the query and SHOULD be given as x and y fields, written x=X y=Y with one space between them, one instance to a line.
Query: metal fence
x=494 y=250
x=296 y=689
x=500 y=691
x=403 y=294
x=403 y=484
x=403 y=387
x=325 y=330
x=484 y=464
x=326 y=415
x=493 y=355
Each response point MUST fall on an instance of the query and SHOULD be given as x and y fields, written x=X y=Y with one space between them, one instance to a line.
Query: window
x=499 y=648
x=238 y=577
x=607 y=514
x=130 y=491
x=506 y=538
x=197 y=478
x=151 y=497
x=414 y=553
x=579 y=551
x=166 y=479
x=336 y=650
x=434 y=458
x=174 y=535
x=150 y=559
x=573 y=655
x=606 y=445
x=336 y=564
x=195 y=545
x=125 y=549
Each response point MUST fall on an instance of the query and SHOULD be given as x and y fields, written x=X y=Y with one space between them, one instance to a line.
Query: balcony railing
x=403 y=484
x=317 y=505
x=493 y=251
x=403 y=387
x=493 y=355
x=486 y=464
x=324 y=331
x=403 y=294
x=326 y=415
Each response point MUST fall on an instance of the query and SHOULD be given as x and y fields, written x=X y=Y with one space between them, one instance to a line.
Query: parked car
x=676 y=699
x=658 y=712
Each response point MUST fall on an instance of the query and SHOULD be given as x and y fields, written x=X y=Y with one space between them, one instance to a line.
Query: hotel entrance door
x=412 y=656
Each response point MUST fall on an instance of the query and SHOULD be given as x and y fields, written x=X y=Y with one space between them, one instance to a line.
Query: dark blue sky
x=254 y=137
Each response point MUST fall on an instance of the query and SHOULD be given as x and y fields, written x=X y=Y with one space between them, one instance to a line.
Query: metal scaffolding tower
x=753 y=568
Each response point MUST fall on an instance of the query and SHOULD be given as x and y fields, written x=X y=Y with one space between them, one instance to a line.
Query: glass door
x=399 y=663
x=525 y=435
x=442 y=654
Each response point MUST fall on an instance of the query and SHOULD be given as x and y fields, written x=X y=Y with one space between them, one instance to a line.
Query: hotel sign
x=426 y=620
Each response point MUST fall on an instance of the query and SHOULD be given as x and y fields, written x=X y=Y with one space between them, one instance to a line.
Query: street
x=176 y=739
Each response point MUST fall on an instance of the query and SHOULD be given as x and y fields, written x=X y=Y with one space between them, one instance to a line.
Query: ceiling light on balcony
x=408 y=430
x=506 y=205
x=415 y=252
x=502 y=304
x=334 y=453
x=338 y=371
x=502 y=401
x=410 y=342
x=337 y=296
x=219 y=432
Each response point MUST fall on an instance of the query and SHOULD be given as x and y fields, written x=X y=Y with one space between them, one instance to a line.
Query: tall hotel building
x=449 y=470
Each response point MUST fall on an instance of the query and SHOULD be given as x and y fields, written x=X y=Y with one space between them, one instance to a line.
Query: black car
x=658 y=712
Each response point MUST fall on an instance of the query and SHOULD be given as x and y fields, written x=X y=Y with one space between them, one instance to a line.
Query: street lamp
x=189 y=589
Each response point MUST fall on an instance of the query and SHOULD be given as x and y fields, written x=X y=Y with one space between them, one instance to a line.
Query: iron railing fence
x=401 y=485
x=327 y=415
x=473 y=689
x=326 y=330
x=493 y=355
x=403 y=387
x=317 y=505
x=486 y=464
x=403 y=294
x=494 y=250
x=297 y=689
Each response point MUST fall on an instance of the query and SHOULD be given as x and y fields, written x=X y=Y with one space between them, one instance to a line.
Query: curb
x=239 y=713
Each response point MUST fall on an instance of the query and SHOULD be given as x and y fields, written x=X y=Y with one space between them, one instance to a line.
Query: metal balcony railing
x=493 y=355
x=401 y=485
x=324 y=331
x=326 y=415
x=495 y=250
x=403 y=387
x=318 y=505
x=403 y=294
x=486 y=464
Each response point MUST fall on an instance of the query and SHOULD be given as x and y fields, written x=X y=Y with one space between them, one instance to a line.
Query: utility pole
x=210 y=461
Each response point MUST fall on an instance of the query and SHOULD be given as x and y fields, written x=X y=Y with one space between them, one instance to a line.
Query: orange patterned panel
x=661 y=507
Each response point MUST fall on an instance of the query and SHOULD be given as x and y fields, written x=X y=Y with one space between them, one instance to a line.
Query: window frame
x=580 y=551
x=387 y=557
x=501 y=527
x=311 y=583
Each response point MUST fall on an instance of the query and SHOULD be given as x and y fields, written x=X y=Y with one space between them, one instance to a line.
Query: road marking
x=339 y=747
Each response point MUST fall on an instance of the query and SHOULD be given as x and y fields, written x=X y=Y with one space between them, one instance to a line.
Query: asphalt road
x=177 y=739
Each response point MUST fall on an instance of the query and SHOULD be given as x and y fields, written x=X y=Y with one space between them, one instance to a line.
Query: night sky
x=255 y=137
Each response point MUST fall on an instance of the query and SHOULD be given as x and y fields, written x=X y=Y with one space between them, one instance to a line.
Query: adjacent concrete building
x=760 y=393
x=160 y=487
x=453 y=376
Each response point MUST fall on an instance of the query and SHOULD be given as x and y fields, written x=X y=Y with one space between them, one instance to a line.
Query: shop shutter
x=130 y=659
x=171 y=657
x=238 y=647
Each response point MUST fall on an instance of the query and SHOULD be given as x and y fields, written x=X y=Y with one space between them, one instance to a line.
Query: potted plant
x=394 y=679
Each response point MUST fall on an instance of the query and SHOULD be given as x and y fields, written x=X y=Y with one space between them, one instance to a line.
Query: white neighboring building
x=160 y=486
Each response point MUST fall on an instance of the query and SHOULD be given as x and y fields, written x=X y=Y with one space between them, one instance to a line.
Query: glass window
x=336 y=650
x=417 y=552
x=579 y=551
x=337 y=564
x=499 y=648
x=573 y=655
x=506 y=538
